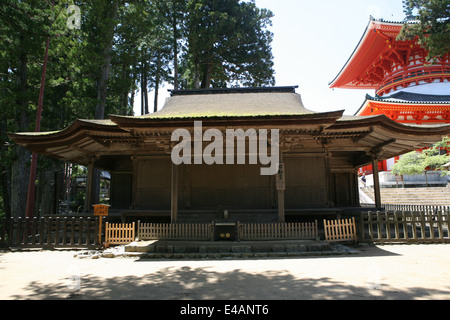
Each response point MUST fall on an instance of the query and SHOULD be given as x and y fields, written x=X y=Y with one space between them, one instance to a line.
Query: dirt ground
x=374 y=272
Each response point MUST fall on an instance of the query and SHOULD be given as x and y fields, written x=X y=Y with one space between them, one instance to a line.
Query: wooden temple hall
x=319 y=154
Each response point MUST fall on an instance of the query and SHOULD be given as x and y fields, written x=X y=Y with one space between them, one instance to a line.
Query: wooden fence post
x=369 y=220
x=441 y=231
x=380 y=234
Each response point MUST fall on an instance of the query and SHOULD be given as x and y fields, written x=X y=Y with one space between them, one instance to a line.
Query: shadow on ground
x=183 y=283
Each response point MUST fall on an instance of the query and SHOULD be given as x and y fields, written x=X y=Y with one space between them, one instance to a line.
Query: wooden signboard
x=281 y=179
x=100 y=210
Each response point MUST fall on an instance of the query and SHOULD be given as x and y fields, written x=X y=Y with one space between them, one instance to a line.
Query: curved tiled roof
x=368 y=48
x=409 y=97
x=231 y=105
x=121 y=135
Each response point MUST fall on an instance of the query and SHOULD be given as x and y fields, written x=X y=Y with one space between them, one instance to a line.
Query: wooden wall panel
x=121 y=189
x=229 y=186
x=153 y=181
x=345 y=189
x=306 y=185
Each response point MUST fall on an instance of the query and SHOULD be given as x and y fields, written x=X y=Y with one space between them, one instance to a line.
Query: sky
x=312 y=42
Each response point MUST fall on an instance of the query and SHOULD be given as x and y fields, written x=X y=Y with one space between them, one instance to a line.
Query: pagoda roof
x=369 y=48
x=223 y=107
x=121 y=136
x=410 y=97
x=412 y=101
x=230 y=103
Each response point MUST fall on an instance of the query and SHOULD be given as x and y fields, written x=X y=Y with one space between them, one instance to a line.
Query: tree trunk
x=124 y=97
x=142 y=95
x=47 y=204
x=20 y=169
x=102 y=85
x=131 y=112
x=6 y=190
x=145 y=90
x=19 y=182
x=5 y=170
x=157 y=80
x=196 y=72
x=207 y=74
x=132 y=89
x=175 y=52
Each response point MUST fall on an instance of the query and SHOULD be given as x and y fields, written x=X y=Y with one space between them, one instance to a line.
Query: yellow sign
x=100 y=210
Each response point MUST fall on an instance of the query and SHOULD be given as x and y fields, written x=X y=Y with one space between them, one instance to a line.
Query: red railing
x=406 y=77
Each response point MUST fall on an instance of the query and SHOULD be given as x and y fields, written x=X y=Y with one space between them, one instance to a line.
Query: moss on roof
x=231 y=105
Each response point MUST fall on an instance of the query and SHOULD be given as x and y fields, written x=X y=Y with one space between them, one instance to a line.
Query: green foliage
x=409 y=164
x=436 y=157
x=433 y=28
x=429 y=159
x=228 y=44
x=77 y=203
x=408 y=10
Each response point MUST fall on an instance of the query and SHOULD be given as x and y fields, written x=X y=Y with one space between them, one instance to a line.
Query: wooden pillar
x=355 y=189
x=281 y=186
x=89 y=187
x=376 y=183
x=134 y=182
x=281 y=212
x=174 y=194
x=328 y=177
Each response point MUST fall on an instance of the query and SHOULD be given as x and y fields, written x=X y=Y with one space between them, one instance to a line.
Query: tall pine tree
x=433 y=28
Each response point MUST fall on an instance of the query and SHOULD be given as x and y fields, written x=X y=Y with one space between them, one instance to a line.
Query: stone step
x=416 y=196
x=214 y=250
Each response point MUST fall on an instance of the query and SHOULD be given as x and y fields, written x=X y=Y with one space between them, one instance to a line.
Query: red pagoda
x=408 y=88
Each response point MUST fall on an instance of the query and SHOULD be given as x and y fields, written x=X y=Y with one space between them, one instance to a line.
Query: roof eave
x=385 y=122
x=128 y=123
x=77 y=126
x=373 y=23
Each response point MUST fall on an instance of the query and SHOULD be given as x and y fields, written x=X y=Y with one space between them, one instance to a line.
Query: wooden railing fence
x=278 y=231
x=416 y=208
x=50 y=232
x=119 y=233
x=340 y=230
x=168 y=231
x=409 y=226
x=430 y=225
x=83 y=232
x=245 y=231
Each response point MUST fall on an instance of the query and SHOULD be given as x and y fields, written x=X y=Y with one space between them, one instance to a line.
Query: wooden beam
x=386 y=143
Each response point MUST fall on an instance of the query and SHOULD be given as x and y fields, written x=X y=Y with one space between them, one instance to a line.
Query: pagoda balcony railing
x=406 y=77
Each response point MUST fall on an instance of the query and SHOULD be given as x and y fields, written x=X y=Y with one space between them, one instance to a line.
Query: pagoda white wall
x=434 y=88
